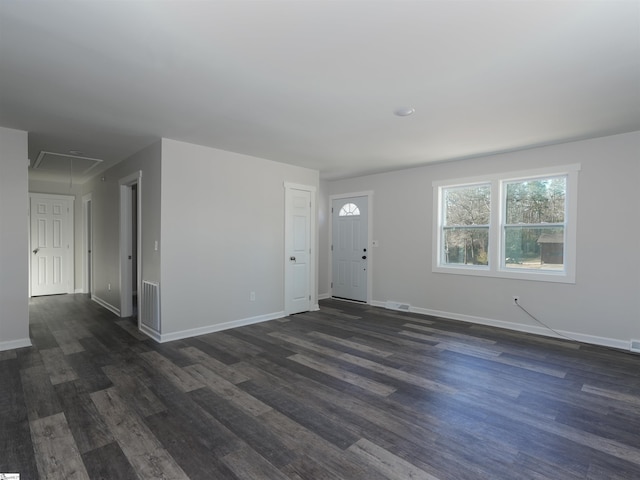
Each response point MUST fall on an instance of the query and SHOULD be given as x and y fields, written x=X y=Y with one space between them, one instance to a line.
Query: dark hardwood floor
x=349 y=392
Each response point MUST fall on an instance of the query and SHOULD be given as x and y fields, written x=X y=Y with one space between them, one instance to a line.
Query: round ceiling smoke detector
x=404 y=111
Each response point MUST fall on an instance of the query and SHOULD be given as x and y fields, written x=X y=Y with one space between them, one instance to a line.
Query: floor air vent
x=150 y=308
x=403 y=307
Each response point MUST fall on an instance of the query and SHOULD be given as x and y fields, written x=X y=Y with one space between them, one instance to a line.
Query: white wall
x=222 y=236
x=601 y=307
x=105 y=197
x=14 y=246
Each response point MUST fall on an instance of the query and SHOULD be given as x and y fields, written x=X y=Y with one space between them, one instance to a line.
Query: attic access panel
x=65 y=164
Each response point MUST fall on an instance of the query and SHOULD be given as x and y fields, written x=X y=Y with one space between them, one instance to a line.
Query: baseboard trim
x=324 y=296
x=105 y=304
x=13 y=344
x=194 y=332
x=519 y=327
x=79 y=290
x=151 y=333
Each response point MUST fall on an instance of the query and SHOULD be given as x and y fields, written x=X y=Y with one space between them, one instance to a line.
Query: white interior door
x=297 y=251
x=350 y=245
x=51 y=244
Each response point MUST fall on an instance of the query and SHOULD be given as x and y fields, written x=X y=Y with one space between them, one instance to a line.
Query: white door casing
x=87 y=238
x=299 y=261
x=51 y=240
x=126 y=242
x=350 y=249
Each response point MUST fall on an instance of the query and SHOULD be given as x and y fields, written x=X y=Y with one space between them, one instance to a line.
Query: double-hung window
x=466 y=211
x=517 y=225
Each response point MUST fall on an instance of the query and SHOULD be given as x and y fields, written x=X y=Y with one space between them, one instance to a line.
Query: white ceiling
x=314 y=83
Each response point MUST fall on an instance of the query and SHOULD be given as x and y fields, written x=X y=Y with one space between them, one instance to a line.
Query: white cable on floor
x=542 y=323
x=563 y=335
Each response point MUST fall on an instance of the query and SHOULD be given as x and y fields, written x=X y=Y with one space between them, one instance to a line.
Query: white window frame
x=496 y=267
x=442 y=226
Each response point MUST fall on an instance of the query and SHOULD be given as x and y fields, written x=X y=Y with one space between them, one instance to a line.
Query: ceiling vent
x=65 y=163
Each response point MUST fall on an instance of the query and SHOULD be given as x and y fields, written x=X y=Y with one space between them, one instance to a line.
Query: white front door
x=51 y=244
x=297 y=251
x=350 y=247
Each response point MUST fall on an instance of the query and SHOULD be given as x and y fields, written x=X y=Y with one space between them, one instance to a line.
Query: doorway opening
x=134 y=249
x=130 y=220
x=87 y=251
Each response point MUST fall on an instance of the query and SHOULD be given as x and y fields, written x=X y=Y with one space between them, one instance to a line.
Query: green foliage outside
x=532 y=209
x=529 y=206
x=467 y=213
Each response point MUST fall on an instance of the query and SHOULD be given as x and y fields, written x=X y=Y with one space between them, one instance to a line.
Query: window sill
x=536 y=276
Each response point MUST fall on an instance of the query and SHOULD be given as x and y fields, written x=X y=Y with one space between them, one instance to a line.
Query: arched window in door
x=348 y=210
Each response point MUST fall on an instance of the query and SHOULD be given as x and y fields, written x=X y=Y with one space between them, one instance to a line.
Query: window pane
x=467 y=205
x=534 y=248
x=466 y=246
x=349 y=209
x=536 y=201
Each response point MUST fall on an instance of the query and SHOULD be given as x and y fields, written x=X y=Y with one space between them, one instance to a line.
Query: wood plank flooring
x=349 y=392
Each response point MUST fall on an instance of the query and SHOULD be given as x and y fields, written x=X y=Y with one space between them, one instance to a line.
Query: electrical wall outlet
x=252 y=296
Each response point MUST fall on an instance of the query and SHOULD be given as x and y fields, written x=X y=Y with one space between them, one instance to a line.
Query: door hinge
x=331 y=209
x=309 y=297
x=331 y=284
x=332 y=248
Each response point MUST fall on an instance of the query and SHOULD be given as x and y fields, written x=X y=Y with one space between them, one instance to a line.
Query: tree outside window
x=466 y=214
x=534 y=223
x=518 y=225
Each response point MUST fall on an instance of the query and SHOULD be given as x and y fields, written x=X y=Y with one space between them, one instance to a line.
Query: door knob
x=36 y=250
x=364 y=257
x=293 y=259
